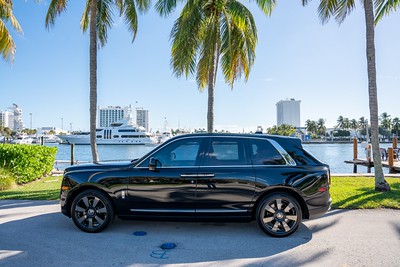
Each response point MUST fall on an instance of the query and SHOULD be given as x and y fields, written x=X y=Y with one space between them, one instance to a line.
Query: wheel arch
x=289 y=191
x=83 y=188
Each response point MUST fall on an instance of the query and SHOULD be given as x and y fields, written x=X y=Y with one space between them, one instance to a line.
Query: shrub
x=27 y=162
x=6 y=179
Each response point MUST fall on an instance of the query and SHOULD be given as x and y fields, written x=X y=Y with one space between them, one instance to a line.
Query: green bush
x=27 y=162
x=6 y=179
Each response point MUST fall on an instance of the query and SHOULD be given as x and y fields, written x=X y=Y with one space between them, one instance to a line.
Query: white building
x=12 y=118
x=6 y=119
x=288 y=112
x=110 y=114
x=142 y=118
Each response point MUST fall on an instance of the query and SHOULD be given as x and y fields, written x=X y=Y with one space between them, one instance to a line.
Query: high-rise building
x=12 y=118
x=110 y=114
x=142 y=118
x=288 y=112
x=6 y=119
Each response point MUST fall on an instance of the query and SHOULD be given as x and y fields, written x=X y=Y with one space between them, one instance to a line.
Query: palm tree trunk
x=210 y=112
x=212 y=76
x=380 y=182
x=93 y=80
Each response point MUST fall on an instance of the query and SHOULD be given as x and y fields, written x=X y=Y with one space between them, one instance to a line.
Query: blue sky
x=324 y=66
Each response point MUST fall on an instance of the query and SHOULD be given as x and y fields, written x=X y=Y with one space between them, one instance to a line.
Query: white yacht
x=22 y=139
x=119 y=133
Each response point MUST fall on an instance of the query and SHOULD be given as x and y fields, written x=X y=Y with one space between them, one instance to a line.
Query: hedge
x=27 y=162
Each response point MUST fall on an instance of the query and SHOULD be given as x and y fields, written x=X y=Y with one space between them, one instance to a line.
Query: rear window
x=264 y=153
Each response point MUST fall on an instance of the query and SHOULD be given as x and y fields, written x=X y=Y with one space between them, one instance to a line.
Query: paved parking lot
x=35 y=233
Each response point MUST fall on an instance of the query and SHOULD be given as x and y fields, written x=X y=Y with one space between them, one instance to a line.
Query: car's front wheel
x=278 y=214
x=92 y=211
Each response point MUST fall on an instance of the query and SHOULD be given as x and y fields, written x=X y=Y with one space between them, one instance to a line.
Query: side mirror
x=153 y=162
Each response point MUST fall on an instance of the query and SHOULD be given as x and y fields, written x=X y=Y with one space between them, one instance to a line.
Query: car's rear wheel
x=92 y=211
x=278 y=214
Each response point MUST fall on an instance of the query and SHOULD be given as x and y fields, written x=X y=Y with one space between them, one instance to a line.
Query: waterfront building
x=288 y=112
x=142 y=118
x=111 y=114
x=6 y=119
x=12 y=118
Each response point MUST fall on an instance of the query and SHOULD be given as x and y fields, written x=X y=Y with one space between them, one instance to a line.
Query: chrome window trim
x=288 y=159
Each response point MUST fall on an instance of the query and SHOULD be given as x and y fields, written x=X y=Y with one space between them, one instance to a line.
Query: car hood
x=101 y=166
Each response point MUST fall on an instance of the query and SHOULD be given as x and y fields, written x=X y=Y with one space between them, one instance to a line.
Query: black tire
x=92 y=211
x=278 y=215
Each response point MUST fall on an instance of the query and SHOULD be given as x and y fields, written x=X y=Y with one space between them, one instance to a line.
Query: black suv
x=271 y=179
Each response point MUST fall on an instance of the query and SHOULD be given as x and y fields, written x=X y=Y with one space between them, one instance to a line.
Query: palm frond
x=344 y=7
x=238 y=45
x=267 y=6
x=55 y=9
x=326 y=10
x=185 y=37
x=131 y=17
x=86 y=17
x=384 y=7
x=104 y=19
x=7 y=45
x=7 y=15
x=143 y=5
x=208 y=52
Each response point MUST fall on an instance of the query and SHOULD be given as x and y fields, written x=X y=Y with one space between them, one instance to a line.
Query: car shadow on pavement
x=36 y=239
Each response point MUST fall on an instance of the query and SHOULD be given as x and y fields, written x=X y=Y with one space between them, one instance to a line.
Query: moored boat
x=119 y=133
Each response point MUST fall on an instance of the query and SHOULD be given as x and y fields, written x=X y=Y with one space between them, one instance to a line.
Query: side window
x=264 y=153
x=182 y=153
x=226 y=151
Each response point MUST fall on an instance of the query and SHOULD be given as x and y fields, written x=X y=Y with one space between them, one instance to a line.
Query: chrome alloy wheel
x=91 y=211
x=279 y=215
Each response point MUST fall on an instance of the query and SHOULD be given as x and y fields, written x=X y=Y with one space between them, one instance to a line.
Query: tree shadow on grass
x=367 y=194
x=32 y=195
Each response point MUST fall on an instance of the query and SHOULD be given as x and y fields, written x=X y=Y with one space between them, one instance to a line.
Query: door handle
x=189 y=175
x=205 y=175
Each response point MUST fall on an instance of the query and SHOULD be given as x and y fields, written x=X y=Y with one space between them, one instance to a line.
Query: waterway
x=332 y=154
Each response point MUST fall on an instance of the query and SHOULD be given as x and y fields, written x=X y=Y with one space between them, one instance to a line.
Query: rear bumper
x=318 y=211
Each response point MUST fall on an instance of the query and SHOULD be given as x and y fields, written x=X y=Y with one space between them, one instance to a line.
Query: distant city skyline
x=322 y=65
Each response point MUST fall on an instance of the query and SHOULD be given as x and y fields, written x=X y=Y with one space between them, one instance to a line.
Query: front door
x=169 y=188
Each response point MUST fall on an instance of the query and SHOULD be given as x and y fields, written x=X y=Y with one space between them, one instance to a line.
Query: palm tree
x=7 y=45
x=354 y=125
x=212 y=32
x=396 y=126
x=340 y=9
x=97 y=16
x=321 y=128
x=311 y=126
x=363 y=125
x=386 y=123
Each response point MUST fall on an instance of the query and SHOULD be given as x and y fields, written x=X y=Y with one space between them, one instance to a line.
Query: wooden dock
x=370 y=164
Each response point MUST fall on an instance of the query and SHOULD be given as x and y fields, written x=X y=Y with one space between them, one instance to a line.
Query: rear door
x=226 y=179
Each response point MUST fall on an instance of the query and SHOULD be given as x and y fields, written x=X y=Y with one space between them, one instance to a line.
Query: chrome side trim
x=189 y=211
x=163 y=210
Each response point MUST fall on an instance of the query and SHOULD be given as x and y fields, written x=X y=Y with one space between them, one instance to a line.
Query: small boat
x=119 y=133
x=22 y=139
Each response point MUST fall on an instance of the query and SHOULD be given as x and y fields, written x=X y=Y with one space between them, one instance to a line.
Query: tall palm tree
x=321 y=128
x=354 y=125
x=97 y=16
x=311 y=126
x=7 y=45
x=386 y=123
x=212 y=32
x=339 y=9
x=396 y=125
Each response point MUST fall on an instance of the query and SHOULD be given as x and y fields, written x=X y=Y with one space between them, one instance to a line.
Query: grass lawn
x=347 y=192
